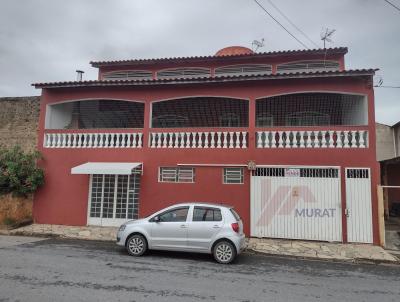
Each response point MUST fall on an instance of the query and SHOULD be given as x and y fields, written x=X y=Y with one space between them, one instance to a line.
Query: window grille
x=307 y=66
x=177 y=73
x=173 y=174
x=257 y=69
x=233 y=175
x=115 y=196
x=128 y=75
x=301 y=172
x=357 y=173
x=311 y=109
x=200 y=112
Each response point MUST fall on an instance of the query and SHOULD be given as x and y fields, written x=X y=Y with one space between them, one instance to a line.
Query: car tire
x=224 y=252
x=136 y=245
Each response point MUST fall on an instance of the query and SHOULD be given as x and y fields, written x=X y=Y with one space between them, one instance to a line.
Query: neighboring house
x=388 y=154
x=286 y=137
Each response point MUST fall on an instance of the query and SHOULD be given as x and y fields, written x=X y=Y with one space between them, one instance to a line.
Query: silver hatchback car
x=188 y=227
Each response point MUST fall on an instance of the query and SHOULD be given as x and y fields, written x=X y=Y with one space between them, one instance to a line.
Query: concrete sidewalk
x=321 y=250
x=296 y=248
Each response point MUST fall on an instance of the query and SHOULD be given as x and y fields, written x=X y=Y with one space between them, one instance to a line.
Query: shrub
x=9 y=221
x=19 y=173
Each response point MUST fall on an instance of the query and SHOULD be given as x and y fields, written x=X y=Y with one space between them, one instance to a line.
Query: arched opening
x=200 y=112
x=95 y=114
x=312 y=109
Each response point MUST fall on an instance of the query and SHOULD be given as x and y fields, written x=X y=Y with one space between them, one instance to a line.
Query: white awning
x=105 y=168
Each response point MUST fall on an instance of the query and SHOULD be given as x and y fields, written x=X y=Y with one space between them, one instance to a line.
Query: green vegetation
x=19 y=173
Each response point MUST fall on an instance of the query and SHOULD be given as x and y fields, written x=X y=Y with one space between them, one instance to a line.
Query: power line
x=390 y=3
x=294 y=25
x=265 y=10
x=383 y=86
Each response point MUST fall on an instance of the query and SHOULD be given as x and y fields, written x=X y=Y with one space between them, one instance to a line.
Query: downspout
x=394 y=142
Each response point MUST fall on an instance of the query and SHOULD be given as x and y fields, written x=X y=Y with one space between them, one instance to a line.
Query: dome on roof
x=233 y=51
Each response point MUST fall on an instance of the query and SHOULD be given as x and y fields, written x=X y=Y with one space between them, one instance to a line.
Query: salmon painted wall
x=64 y=197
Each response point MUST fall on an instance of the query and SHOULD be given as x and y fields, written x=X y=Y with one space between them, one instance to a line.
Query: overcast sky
x=47 y=40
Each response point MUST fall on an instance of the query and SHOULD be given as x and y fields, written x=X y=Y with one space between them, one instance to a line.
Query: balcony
x=192 y=140
x=93 y=140
x=312 y=139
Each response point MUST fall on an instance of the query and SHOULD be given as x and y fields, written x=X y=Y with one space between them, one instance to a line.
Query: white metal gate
x=296 y=203
x=358 y=205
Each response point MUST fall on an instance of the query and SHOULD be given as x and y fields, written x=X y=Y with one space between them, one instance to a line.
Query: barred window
x=176 y=174
x=233 y=175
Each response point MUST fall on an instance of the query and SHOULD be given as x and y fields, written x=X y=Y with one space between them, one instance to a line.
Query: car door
x=170 y=231
x=205 y=224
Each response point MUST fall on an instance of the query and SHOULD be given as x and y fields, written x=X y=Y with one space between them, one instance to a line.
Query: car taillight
x=235 y=227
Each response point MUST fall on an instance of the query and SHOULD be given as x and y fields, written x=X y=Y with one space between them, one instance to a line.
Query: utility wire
x=383 y=86
x=265 y=10
x=294 y=25
x=390 y=3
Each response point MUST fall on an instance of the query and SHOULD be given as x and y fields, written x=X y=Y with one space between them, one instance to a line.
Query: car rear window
x=236 y=215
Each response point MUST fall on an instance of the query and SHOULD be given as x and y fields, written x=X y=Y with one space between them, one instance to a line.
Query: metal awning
x=106 y=168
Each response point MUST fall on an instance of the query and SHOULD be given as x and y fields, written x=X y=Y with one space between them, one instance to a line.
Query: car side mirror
x=156 y=219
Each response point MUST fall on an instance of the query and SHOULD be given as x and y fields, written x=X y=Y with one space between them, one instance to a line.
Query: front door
x=170 y=232
x=113 y=199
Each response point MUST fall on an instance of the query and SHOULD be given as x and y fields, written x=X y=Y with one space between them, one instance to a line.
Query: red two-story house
x=286 y=137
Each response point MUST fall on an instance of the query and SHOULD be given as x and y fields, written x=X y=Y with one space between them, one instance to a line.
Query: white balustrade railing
x=225 y=139
x=312 y=139
x=93 y=140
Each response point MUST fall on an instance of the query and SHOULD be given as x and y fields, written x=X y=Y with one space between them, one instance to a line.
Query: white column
x=206 y=140
x=212 y=143
x=194 y=140
x=159 y=139
x=361 y=140
x=225 y=143
x=218 y=139
x=134 y=140
x=339 y=143
x=237 y=143
x=280 y=142
x=128 y=141
x=259 y=139
x=244 y=141
x=230 y=139
x=331 y=145
x=353 y=139
x=273 y=139
x=73 y=140
x=187 y=139
x=346 y=139
x=140 y=140
x=323 y=139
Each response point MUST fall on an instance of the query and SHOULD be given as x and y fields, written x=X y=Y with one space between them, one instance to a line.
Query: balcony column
x=147 y=123
x=252 y=124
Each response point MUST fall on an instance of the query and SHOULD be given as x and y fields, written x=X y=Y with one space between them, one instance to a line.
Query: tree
x=19 y=173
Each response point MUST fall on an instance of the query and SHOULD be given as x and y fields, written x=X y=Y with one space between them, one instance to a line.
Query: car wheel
x=136 y=245
x=224 y=252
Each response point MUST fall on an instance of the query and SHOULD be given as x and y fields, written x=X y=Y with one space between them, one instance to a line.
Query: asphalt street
x=71 y=270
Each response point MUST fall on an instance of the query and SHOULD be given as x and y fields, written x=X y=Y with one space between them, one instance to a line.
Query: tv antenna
x=255 y=45
x=326 y=35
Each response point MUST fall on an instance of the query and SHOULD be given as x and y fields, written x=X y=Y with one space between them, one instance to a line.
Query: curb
x=354 y=260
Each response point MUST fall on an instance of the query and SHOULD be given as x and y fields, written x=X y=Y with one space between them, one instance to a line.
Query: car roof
x=212 y=204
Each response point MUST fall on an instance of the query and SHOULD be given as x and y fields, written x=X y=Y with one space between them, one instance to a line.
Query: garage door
x=296 y=203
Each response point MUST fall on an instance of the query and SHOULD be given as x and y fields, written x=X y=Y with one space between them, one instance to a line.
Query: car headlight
x=122 y=228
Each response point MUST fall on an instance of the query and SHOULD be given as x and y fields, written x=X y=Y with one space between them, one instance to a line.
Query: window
x=175 y=215
x=176 y=174
x=233 y=175
x=307 y=66
x=175 y=73
x=115 y=196
x=256 y=69
x=206 y=214
x=129 y=75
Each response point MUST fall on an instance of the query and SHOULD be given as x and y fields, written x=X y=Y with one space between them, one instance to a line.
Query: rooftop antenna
x=326 y=35
x=255 y=45
x=79 y=74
